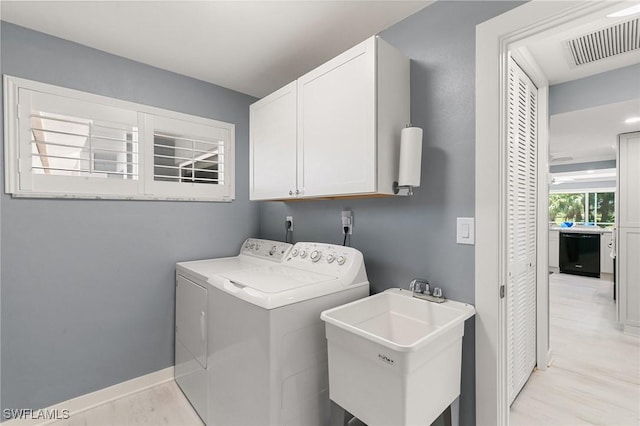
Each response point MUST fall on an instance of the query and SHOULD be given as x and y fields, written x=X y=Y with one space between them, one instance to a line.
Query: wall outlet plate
x=347 y=221
x=289 y=219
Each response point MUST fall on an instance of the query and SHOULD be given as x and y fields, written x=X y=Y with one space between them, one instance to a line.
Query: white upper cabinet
x=339 y=135
x=629 y=180
x=272 y=170
x=337 y=123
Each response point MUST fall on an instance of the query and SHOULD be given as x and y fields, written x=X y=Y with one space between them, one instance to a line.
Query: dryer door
x=191 y=343
x=191 y=318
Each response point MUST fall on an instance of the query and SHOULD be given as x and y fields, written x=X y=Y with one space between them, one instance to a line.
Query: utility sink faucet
x=419 y=285
x=422 y=290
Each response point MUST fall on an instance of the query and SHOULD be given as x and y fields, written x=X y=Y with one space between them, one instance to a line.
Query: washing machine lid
x=275 y=279
x=202 y=270
x=275 y=286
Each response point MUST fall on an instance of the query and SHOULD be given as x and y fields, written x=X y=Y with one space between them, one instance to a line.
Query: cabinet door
x=629 y=276
x=629 y=180
x=336 y=125
x=272 y=145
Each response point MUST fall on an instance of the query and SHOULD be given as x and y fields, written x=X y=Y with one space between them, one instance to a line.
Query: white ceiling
x=253 y=47
x=590 y=134
x=552 y=55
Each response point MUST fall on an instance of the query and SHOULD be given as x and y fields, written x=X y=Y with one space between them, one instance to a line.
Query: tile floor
x=164 y=404
x=594 y=377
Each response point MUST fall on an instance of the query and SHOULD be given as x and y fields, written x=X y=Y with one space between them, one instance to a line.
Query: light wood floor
x=594 y=377
x=161 y=405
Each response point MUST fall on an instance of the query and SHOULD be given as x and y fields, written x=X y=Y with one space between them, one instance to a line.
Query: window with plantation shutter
x=521 y=233
x=65 y=143
x=188 y=156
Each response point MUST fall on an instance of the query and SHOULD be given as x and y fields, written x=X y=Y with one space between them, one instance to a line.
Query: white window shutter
x=521 y=234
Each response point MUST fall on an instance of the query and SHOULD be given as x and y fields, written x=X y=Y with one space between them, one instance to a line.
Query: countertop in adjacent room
x=582 y=230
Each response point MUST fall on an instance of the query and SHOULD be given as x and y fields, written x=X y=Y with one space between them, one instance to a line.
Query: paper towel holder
x=410 y=161
x=397 y=188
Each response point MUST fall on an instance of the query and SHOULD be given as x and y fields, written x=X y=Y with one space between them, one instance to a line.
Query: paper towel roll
x=410 y=156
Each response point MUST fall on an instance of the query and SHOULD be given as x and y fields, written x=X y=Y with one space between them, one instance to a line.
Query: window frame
x=91 y=188
x=587 y=205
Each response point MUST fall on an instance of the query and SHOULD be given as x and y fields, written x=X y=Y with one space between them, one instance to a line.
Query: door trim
x=494 y=39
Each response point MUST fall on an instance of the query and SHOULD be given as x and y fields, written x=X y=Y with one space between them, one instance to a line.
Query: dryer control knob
x=330 y=258
x=273 y=250
x=315 y=255
x=341 y=260
x=294 y=252
x=303 y=254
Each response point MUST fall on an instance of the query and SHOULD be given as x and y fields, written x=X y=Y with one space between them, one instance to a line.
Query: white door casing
x=494 y=39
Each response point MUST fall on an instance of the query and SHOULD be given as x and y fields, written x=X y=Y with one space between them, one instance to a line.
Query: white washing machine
x=192 y=312
x=266 y=359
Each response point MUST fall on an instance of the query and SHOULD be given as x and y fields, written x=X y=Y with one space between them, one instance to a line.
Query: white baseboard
x=99 y=397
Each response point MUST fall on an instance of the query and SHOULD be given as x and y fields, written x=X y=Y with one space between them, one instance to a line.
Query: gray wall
x=403 y=238
x=601 y=89
x=87 y=287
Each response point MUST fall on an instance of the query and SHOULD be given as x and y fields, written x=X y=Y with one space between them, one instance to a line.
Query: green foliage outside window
x=566 y=207
x=572 y=207
x=602 y=207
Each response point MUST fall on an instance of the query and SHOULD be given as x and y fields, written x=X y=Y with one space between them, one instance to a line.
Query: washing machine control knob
x=330 y=258
x=341 y=260
x=315 y=255
x=294 y=252
x=303 y=254
x=252 y=245
x=257 y=247
x=273 y=250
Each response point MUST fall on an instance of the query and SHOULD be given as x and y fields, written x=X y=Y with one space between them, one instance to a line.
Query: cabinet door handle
x=290 y=192
x=297 y=192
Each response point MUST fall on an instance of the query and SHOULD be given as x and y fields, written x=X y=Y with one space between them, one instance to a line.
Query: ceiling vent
x=605 y=43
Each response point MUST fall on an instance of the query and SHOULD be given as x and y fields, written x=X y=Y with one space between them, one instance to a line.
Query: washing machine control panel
x=329 y=258
x=266 y=249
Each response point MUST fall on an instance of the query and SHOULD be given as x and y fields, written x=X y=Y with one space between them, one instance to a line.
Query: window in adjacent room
x=583 y=208
x=65 y=143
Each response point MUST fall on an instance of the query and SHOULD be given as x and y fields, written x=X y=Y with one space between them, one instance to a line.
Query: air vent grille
x=614 y=40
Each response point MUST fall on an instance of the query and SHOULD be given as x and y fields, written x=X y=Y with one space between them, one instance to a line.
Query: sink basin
x=395 y=359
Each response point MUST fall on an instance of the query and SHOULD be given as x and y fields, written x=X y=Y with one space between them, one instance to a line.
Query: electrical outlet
x=290 y=220
x=347 y=222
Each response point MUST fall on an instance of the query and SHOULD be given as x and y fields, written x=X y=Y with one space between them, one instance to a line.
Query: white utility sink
x=395 y=359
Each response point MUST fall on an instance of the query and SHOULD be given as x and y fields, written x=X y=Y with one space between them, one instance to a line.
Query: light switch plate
x=465 y=233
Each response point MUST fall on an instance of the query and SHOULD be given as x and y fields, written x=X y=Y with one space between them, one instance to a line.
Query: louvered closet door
x=521 y=234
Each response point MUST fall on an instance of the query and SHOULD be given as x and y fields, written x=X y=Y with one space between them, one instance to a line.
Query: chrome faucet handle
x=412 y=285
x=426 y=289
x=419 y=285
x=437 y=292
